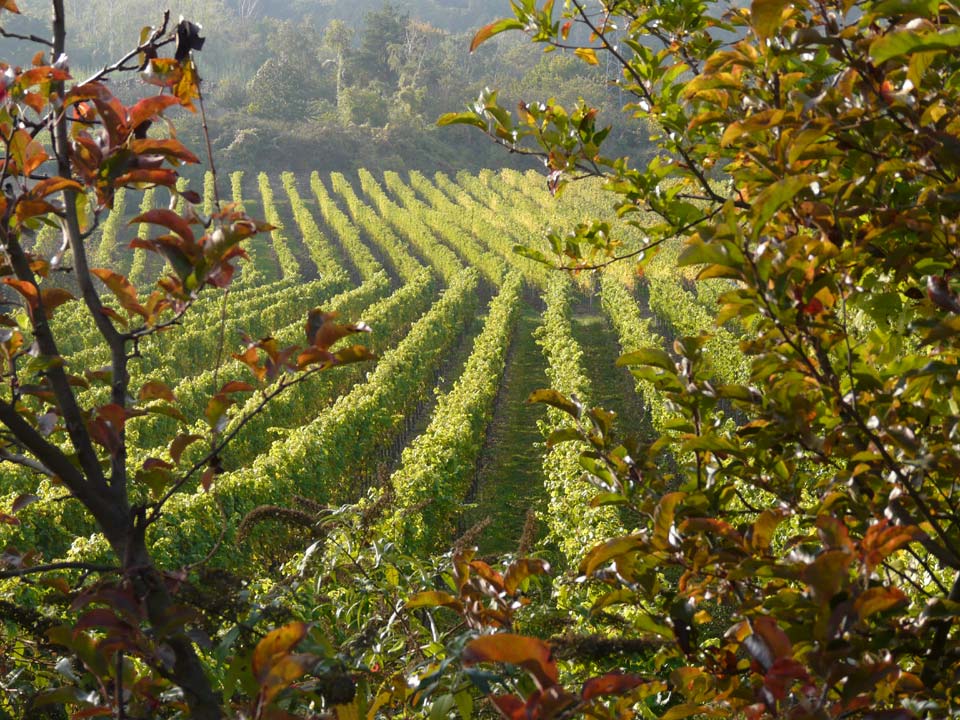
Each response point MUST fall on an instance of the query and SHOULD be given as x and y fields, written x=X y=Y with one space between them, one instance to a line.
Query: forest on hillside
x=360 y=84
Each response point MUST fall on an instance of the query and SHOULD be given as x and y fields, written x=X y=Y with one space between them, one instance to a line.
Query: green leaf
x=463 y=118
x=905 y=42
x=565 y=434
x=433 y=598
x=775 y=197
x=677 y=712
x=494 y=28
x=766 y=15
x=648 y=356
x=531 y=254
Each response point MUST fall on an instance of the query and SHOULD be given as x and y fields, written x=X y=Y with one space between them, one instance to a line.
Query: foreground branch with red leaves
x=68 y=148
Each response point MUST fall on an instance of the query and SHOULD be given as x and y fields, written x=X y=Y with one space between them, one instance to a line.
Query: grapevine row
x=348 y=235
x=330 y=458
x=443 y=223
x=439 y=464
x=319 y=248
x=441 y=258
x=570 y=526
x=404 y=264
x=289 y=266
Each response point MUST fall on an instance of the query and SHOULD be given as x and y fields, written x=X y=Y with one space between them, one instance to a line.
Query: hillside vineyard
x=465 y=330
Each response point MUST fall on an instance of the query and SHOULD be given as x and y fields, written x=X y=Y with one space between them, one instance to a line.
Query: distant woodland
x=308 y=84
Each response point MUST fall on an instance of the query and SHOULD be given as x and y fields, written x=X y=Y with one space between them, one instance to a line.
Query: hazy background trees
x=340 y=85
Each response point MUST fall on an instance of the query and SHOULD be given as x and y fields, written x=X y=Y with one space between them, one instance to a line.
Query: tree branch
x=36 y=569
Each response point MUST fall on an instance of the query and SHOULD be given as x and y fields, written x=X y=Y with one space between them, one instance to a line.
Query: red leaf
x=782 y=675
x=49 y=186
x=882 y=539
x=814 y=307
x=712 y=526
x=53 y=298
x=27 y=209
x=170 y=149
x=167 y=178
x=206 y=480
x=154 y=390
x=99 y=618
x=124 y=291
x=27 y=289
x=236 y=386
x=521 y=570
x=168 y=219
x=151 y=463
x=148 y=109
x=181 y=443
x=23 y=501
x=114 y=414
x=510 y=706
x=610 y=684
x=774 y=637
x=114 y=315
x=532 y=654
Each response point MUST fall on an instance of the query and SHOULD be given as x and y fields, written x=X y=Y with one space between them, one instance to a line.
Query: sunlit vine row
x=333 y=457
x=289 y=265
x=444 y=224
x=364 y=217
x=571 y=521
x=318 y=246
x=439 y=464
x=347 y=233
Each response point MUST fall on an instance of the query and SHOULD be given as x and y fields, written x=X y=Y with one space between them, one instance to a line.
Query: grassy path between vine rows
x=613 y=387
x=509 y=476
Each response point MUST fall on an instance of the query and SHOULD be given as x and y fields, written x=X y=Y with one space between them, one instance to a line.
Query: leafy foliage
x=67 y=423
x=795 y=531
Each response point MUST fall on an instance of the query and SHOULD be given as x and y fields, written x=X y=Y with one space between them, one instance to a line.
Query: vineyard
x=465 y=330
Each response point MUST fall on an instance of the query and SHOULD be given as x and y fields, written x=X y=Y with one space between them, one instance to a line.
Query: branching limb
x=28 y=38
x=37 y=569
x=227 y=438
x=26 y=462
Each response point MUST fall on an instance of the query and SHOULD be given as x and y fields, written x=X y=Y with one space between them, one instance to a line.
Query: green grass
x=510 y=479
x=613 y=387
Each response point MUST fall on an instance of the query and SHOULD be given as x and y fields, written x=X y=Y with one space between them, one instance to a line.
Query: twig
x=28 y=38
x=89 y=567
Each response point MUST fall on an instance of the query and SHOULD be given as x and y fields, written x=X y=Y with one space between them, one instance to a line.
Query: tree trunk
x=187 y=670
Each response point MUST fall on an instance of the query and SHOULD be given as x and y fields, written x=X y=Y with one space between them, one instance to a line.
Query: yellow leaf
x=588 y=55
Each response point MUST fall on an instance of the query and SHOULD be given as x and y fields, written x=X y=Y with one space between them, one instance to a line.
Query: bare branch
x=26 y=462
x=36 y=569
x=28 y=38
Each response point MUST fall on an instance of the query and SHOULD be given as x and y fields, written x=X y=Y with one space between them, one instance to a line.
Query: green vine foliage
x=794 y=539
